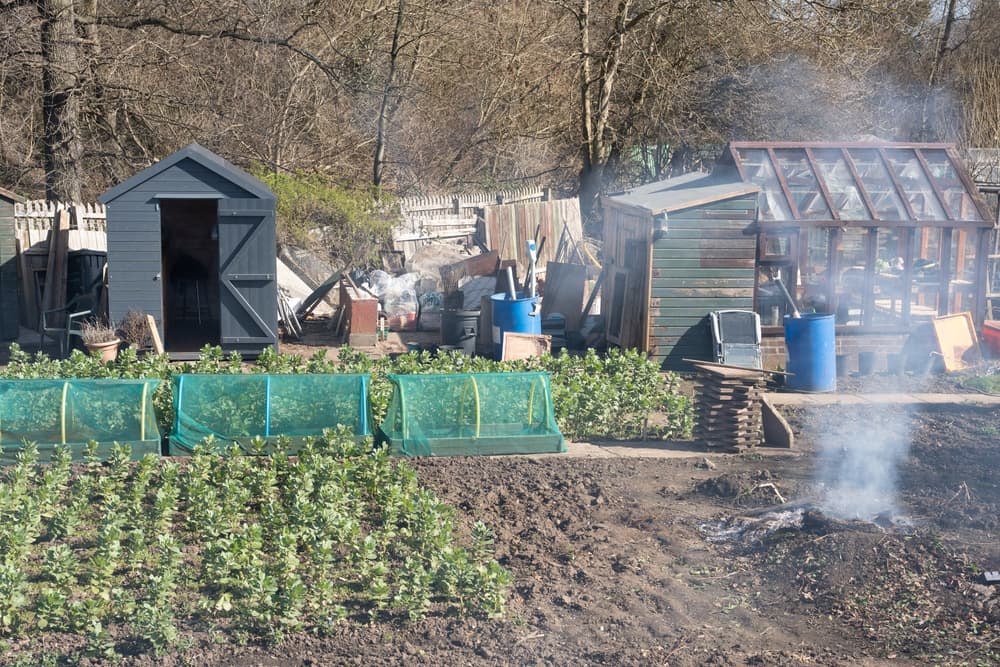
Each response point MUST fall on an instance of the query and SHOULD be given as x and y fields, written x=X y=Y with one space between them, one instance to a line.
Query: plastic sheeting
x=74 y=412
x=471 y=414
x=237 y=408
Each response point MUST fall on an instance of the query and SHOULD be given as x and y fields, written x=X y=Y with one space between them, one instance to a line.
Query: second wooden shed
x=191 y=241
x=9 y=317
x=677 y=249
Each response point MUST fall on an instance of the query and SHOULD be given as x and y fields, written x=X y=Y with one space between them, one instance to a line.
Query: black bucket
x=458 y=328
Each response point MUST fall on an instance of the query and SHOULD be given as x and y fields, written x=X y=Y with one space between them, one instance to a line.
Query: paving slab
x=883 y=399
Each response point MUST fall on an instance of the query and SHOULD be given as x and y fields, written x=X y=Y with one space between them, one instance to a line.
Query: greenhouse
x=881 y=235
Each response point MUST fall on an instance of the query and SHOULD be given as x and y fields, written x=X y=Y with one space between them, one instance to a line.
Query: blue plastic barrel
x=812 y=352
x=520 y=315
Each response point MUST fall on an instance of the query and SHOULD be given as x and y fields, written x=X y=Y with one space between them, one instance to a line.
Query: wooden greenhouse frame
x=928 y=210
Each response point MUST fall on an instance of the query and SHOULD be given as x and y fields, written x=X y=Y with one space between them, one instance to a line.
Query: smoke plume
x=858 y=463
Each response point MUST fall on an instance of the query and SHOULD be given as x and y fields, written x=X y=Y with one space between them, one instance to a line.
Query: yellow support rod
x=531 y=402
x=63 y=415
x=475 y=392
x=142 y=415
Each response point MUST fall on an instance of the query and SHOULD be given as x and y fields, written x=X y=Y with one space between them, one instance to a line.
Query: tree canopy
x=418 y=96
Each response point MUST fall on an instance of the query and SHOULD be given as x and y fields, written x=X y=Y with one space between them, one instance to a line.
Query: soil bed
x=612 y=564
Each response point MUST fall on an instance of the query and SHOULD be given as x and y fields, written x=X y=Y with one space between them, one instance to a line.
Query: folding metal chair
x=736 y=337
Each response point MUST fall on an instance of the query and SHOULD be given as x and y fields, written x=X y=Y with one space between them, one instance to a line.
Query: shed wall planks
x=702 y=261
x=9 y=311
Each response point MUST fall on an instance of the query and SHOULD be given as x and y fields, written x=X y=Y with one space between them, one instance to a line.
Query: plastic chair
x=60 y=324
x=736 y=337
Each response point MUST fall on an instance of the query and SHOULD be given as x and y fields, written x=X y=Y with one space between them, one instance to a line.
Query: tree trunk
x=591 y=186
x=62 y=147
x=940 y=52
x=378 y=167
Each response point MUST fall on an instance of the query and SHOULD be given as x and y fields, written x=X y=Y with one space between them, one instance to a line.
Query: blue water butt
x=812 y=352
x=520 y=315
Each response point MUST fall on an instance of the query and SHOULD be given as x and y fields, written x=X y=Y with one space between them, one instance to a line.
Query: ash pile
x=752 y=528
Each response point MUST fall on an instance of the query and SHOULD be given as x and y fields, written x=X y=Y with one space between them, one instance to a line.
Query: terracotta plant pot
x=108 y=350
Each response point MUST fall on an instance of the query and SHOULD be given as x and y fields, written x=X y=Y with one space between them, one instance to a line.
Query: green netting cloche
x=470 y=414
x=75 y=412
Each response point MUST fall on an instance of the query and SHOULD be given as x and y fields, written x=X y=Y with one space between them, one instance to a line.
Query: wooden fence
x=507 y=229
x=34 y=222
x=443 y=217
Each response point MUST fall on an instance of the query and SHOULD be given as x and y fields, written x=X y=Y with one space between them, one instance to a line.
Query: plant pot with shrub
x=100 y=337
x=134 y=330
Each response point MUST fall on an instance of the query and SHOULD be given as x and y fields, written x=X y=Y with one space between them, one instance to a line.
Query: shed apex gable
x=202 y=156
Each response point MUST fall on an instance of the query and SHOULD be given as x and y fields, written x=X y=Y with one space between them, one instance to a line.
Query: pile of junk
x=478 y=302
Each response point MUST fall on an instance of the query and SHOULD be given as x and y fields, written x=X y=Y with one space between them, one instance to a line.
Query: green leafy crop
x=253 y=547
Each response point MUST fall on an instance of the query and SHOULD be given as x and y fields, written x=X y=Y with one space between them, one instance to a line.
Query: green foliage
x=351 y=219
x=593 y=396
x=251 y=546
x=987 y=384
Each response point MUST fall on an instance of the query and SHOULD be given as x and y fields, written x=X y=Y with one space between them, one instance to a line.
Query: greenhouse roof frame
x=858 y=183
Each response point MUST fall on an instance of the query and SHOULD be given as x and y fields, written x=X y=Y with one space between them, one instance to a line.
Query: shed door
x=248 y=289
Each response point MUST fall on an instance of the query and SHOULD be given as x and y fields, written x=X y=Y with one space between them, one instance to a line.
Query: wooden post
x=906 y=289
x=154 y=334
x=944 y=273
x=55 y=270
x=981 y=288
x=868 y=298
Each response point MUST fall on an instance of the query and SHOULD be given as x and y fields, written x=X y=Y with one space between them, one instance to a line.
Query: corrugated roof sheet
x=674 y=194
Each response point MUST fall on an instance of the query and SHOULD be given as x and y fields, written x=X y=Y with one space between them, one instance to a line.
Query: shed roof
x=856 y=181
x=10 y=196
x=675 y=194
x=202 y=156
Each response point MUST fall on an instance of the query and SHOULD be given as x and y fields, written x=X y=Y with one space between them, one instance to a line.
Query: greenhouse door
x=247 y=282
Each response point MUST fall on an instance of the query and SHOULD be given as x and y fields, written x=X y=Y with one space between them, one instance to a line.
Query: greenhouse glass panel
x=802 y=184
x=917 y=187
x=841 y=185
x=876 y=181
x=850 y=282
x=957 y=198
x=759 y=170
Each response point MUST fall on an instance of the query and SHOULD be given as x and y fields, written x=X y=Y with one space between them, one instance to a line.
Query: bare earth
x=618 y=561
x=613 y=562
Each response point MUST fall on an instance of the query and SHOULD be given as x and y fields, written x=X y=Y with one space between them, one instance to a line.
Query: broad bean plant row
x=130 y=557
x=609 y=396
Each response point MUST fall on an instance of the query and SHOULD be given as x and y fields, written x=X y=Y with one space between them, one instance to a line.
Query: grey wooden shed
x=191 y=241
x=9 y=315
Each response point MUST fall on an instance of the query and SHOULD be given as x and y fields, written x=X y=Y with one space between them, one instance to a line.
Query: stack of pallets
x=728 y=407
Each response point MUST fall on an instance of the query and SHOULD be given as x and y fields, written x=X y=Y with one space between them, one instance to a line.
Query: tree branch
x=233 y=34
